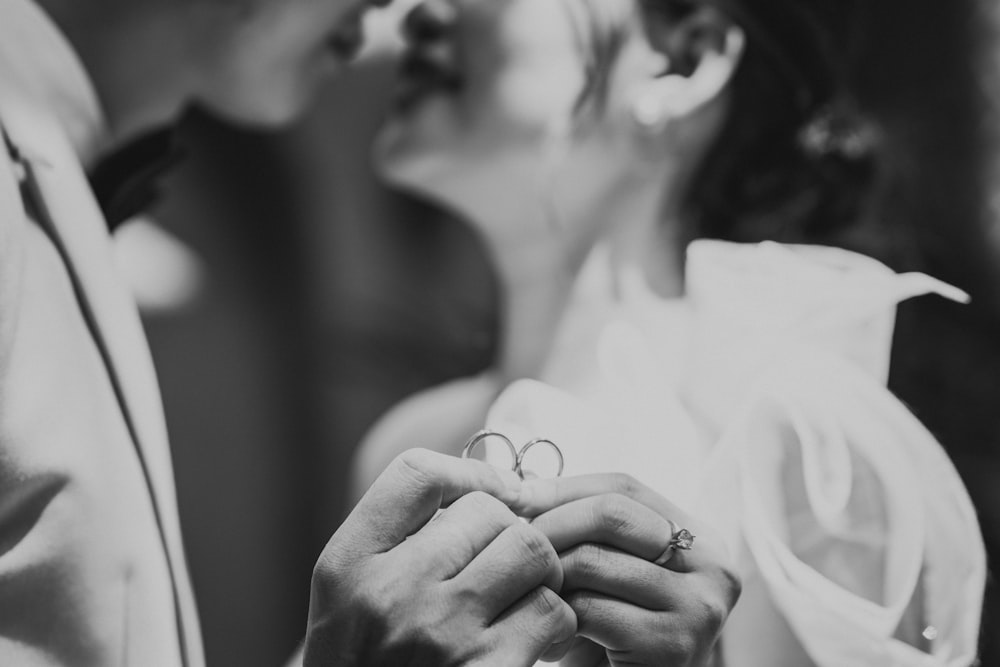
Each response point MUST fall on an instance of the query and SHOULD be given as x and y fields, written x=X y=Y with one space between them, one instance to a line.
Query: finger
x=711 y=592
x=612 y=520
x=647 y=637
x=519 y=560
x=584 y=653
x=411 y=489
x=543 y=495
x=620 y=575
x=531 y=625
x=612 y=623
x=452 y=540
x=556 y=652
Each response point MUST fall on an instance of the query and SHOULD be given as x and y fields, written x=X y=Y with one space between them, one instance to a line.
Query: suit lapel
x=76 y=225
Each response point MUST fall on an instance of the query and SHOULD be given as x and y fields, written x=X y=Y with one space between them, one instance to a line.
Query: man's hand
x=609 y=530
x=398 y=586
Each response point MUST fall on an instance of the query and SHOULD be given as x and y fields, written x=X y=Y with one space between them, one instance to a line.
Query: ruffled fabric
x=758 y=402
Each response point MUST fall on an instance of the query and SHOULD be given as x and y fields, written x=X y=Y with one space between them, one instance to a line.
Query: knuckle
x=718 y=563
x=418 y=470
x=615 y=514
x=466 y=597
x=372 y=599
x=333 y=572
x=681 y=648
x=326 y=568
x=415 y=462
x=582 y=604
x=546 y=603
x=625 y=485
x=486 y=505
x=723 y=570
x=557 y=615
x=487 y=510
x=535 y=547
x=732 y=585
x=678 y=644
x=714 y=616
x=704 y=618
x=551 y=619
x=565 y=621
x=586 y=561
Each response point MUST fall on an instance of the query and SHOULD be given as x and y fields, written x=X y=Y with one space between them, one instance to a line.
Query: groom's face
x=262 y=60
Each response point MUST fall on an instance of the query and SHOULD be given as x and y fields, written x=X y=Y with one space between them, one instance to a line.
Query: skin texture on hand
x=401 y=584
x=608 y=530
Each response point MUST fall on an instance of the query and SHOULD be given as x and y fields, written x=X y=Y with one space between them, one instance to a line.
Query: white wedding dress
x=758 y=402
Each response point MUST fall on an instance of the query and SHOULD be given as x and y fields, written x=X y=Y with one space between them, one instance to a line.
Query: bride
x=589 y=142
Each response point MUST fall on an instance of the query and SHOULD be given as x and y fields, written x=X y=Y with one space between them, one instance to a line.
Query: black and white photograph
x=499 y=333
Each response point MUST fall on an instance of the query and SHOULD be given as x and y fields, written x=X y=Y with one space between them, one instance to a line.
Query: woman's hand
x=608 y=531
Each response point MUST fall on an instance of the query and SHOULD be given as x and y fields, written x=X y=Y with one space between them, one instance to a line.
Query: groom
x=92 y=569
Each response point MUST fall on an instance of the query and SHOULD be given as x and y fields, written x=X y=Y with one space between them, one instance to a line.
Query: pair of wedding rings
x=517 y=456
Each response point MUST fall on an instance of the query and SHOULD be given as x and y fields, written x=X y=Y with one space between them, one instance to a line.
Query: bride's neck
x=537 y=258
x=640 y=246
x=539 y=252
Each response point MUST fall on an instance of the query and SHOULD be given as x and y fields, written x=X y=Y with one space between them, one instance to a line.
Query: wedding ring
x=680 y=538
x=519 y=466
x=515 y=459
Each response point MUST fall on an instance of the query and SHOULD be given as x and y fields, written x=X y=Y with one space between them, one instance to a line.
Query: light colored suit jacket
x=92 y=568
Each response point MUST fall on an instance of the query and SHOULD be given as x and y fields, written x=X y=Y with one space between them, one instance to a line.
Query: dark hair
x=794 y=161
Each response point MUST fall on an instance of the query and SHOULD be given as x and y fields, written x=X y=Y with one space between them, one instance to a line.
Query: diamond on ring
x=682 y=539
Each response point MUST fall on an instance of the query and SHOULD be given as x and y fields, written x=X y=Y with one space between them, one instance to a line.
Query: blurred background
x=292 y=299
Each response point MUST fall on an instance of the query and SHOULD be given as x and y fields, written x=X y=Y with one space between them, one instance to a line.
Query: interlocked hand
x=474 y=586
x=611 y=532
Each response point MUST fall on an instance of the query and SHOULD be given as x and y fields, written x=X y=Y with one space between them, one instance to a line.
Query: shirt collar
x=38 y=63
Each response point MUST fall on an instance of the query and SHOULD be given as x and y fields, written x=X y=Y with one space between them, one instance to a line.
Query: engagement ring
x=680 y=538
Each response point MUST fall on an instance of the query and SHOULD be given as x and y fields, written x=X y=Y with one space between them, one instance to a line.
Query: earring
x=651 y=112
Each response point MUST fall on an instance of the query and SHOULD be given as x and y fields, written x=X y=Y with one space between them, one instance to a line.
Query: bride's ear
x=701 y=52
